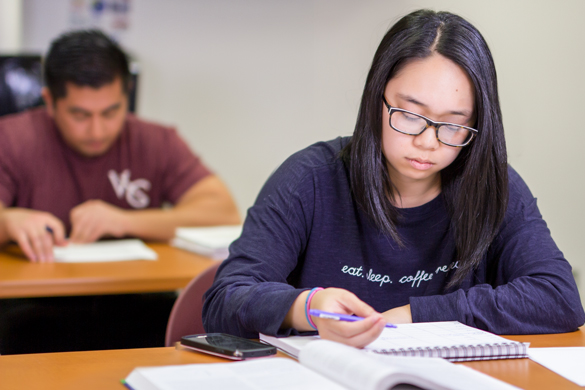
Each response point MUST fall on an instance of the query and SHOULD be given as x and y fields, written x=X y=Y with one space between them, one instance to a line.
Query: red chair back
x=185 y=318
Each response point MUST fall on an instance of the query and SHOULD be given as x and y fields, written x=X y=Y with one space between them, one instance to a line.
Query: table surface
x=104 y=369
x=174 y=268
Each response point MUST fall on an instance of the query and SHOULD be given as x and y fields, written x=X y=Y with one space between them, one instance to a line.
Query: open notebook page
x=433 y=334
x=259 y=374
x=358 y=370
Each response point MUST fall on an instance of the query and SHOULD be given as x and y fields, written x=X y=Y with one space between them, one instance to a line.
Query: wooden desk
x=173 y=270
x=104 y=369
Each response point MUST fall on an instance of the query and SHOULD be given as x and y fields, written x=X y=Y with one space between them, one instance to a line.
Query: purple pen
x=340 y=317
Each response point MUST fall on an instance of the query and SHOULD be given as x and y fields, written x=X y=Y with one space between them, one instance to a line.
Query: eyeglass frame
x=430 y=123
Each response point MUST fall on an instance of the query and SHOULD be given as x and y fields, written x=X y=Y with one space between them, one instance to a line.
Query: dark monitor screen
x=21 y=82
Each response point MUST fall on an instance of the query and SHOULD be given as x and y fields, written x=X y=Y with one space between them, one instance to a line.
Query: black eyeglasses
x=406 y=122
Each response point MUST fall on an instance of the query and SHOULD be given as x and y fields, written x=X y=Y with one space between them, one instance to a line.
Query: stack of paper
x=207 y=241
x=117 y=250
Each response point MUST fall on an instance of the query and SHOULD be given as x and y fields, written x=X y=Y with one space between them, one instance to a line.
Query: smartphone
x=227 y=346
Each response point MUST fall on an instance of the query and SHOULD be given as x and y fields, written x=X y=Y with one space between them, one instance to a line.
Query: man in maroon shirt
x=86 y=167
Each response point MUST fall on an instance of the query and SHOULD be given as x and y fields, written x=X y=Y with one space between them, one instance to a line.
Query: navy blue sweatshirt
x=305 y=230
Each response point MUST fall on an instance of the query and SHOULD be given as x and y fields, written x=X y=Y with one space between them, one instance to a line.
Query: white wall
x=250 y=82
x=10 y=25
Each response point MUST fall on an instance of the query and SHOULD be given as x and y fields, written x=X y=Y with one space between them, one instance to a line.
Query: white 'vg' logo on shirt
x=134 y=191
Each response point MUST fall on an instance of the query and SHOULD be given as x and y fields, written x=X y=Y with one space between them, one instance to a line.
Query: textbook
x=450 y=340
x=207 y=241
x=322 y=365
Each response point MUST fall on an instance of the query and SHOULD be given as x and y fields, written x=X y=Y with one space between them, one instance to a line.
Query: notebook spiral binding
x=463 y=353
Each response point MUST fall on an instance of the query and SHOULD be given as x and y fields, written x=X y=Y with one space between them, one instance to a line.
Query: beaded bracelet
x=308 y=306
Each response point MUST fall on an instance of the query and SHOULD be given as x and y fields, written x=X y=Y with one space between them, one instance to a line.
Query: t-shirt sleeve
x=7 y=184
x=7 y=187
x=251 y=293
x=183 y=168
x=531 y=288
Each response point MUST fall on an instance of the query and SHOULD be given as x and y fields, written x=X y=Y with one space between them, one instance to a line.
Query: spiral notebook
x=451 y=340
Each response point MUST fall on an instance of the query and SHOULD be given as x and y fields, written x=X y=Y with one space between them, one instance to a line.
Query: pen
x=340 y=317
x=123 y=381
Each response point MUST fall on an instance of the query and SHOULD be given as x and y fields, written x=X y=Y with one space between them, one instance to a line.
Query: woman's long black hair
x=475 y=185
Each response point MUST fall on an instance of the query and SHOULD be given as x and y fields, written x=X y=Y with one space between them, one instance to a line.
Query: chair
x=185 y=318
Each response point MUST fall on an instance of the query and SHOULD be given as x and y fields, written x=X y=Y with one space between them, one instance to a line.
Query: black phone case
x=218 y=344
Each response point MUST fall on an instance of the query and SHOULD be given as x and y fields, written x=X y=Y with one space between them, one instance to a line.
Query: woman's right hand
x=337 y=300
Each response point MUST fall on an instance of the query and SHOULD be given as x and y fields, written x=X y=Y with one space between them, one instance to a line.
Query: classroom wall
x=247 y=83
x=10 y=25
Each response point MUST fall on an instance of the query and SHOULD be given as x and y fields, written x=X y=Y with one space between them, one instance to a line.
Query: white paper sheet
x=104 y=251
x=568 y=362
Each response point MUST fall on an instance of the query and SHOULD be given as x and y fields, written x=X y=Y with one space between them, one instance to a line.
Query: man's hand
x=34 y=231
x=95 y=219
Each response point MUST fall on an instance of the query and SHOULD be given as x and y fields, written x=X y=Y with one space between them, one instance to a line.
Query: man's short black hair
x=84 y=58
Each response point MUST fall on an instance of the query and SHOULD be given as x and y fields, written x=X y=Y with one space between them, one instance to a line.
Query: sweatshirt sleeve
x=250 y=293
x=182 y=168
x=531 y=288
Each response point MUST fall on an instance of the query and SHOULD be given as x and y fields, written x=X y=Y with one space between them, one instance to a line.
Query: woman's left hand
x=398 y=315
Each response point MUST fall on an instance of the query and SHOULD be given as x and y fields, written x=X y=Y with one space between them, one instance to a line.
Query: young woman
x=416 y=217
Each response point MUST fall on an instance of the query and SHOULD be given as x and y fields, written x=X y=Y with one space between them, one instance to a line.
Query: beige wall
x=10 y=25
x=250 y=82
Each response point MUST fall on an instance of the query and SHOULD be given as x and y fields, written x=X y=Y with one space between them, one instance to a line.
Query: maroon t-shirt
x=147 y=166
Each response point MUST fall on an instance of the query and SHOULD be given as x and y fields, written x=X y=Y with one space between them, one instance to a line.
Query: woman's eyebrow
x=412 y=100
